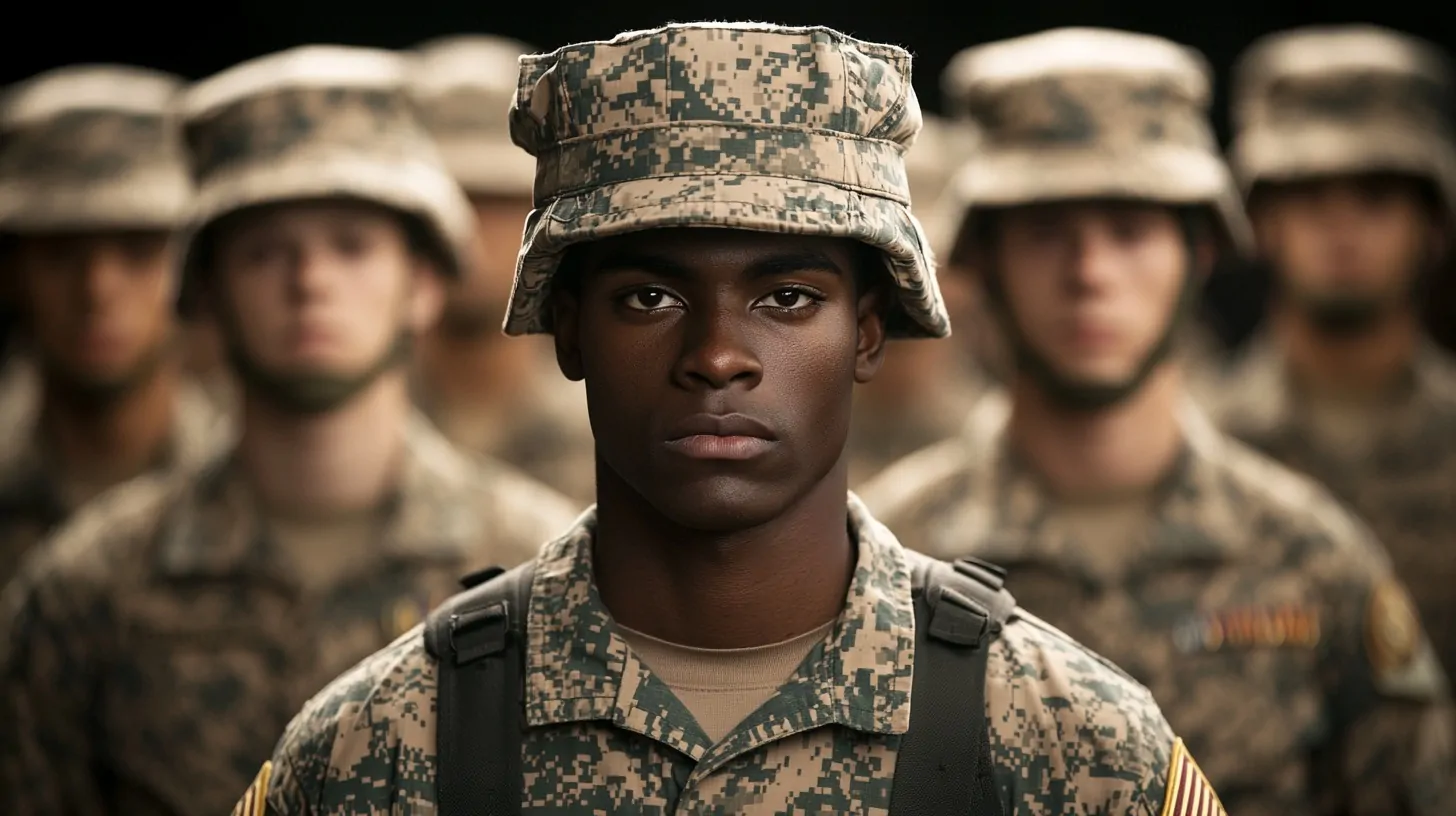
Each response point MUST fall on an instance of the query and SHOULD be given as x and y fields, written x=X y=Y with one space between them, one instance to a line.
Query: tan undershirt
x=327 y=549
x=720 y=687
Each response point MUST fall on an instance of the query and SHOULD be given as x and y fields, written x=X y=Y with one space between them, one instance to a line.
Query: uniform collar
x=579 y=668
x=1195 y=515
x=217 y=529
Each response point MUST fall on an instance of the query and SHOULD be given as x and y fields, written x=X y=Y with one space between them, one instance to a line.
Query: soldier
x=1347 y=158
x=92 y=186
x=490 y=394
x=157 y=646
x=921 y=396
x=1265 y=619
x=723 y=633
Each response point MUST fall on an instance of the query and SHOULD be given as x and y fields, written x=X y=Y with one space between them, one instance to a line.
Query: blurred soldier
x=1265 y=620
x=921 y=396
x=92 y=186
x=488 y=393
x=157 y=646
x=724 y=634
x=1347 y=157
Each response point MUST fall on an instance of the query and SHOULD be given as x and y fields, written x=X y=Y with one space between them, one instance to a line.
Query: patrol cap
x=1342 y=99
x=743 y=126
x=91 y=147
x=463 y=87
x=318 y=121
x=1078 y=113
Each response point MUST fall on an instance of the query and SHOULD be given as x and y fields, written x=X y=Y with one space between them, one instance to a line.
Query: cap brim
x=488 y=168
x=1164 y=174
x=754 y=203
x=155 y=200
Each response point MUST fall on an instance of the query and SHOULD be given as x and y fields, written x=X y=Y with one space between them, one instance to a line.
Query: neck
x=339 y=461
x=1124 y=448
x=1369 y=364
x=468 y=371
x=113 y=441
x=723 y=590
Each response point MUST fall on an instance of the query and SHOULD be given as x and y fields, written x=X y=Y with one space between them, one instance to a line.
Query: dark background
x=197 y=39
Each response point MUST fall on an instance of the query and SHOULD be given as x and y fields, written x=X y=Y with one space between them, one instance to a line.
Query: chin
x=721 y=504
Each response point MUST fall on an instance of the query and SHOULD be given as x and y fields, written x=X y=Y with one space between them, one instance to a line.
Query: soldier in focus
x=157 y=646
x=487 y=393
x=1266 y=621
x=1347 y=157
x=922 y=394
x=92 y=187
x=723 y=633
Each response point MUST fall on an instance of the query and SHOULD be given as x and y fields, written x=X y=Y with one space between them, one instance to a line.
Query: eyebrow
x=780 y=264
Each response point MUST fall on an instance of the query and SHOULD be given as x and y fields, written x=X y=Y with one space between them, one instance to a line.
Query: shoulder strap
x=478 y=641
x=943 y=766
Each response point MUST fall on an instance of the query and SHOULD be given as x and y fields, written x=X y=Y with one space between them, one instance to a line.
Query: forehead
x=713 y=249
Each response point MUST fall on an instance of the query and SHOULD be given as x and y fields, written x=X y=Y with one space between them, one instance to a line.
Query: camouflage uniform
x=154 y=651
x=1264 y=618
x=86 y=147
x=657 y=138
x=1319 y=102
x=463 y=87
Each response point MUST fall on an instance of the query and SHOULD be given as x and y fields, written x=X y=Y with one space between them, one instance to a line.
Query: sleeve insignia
x=1189 y=793
x=255 y=799
x=1392 y=628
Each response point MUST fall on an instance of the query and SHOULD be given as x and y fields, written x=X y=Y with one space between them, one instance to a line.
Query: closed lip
x=720 y=425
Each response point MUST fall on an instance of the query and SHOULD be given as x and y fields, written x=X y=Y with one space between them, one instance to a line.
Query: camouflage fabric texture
x=1397 y=476
x=1069 y=732
x=1343 y=99
x=463 y=87
x=152 y=652
x=32 y=500
x=91 y=147
x=729 y=125
x=318 y=122
x=1079 y=113
x=1263 y=617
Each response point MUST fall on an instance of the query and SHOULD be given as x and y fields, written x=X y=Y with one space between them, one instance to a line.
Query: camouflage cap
x=91 y=147
x=1078 y=113
x=731 y=125
x=1339 y=99
x=463 y=87
x=318 y=121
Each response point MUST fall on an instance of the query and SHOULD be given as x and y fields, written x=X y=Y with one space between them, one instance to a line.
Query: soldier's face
x=1360 y=237
x=719 y=366
x=99 y=304
x=1092 y=287
x=477 y=302
x=321 y=289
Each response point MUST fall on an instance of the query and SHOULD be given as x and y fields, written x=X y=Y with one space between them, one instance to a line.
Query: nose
x=716 y=353
x=104 y=270
x=310 y=274
x=1094 y=263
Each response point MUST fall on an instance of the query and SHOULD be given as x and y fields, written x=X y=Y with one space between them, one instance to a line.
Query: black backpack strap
x=478 y=640
x=944 y=763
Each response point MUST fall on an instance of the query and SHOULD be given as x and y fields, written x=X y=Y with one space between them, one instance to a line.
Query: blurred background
x=199 y=39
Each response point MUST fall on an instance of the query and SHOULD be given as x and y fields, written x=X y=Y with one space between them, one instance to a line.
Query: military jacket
x=1069 y=732
x=31 y=503
x=1264 y=618
x=152 y=653
x=1402 y=481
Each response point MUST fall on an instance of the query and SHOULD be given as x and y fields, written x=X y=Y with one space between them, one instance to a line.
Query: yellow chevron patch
x=255 y=799
x=1189 y=793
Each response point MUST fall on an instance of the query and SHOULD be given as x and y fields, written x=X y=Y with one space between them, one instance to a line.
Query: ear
x=566 y=333
x=1439 y=244
x=426 y=296
x=869 y=351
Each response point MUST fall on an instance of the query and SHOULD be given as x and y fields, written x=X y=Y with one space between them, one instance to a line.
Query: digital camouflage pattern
x=91 y=147
x=318 y=121
x=1343 y=99
x=33 y=500
x=463 y=87
x=1262 y=616
x=154 y=650
x=1078 y=113
x=1397 y=473
x=1070 y=734
x=733 y=125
